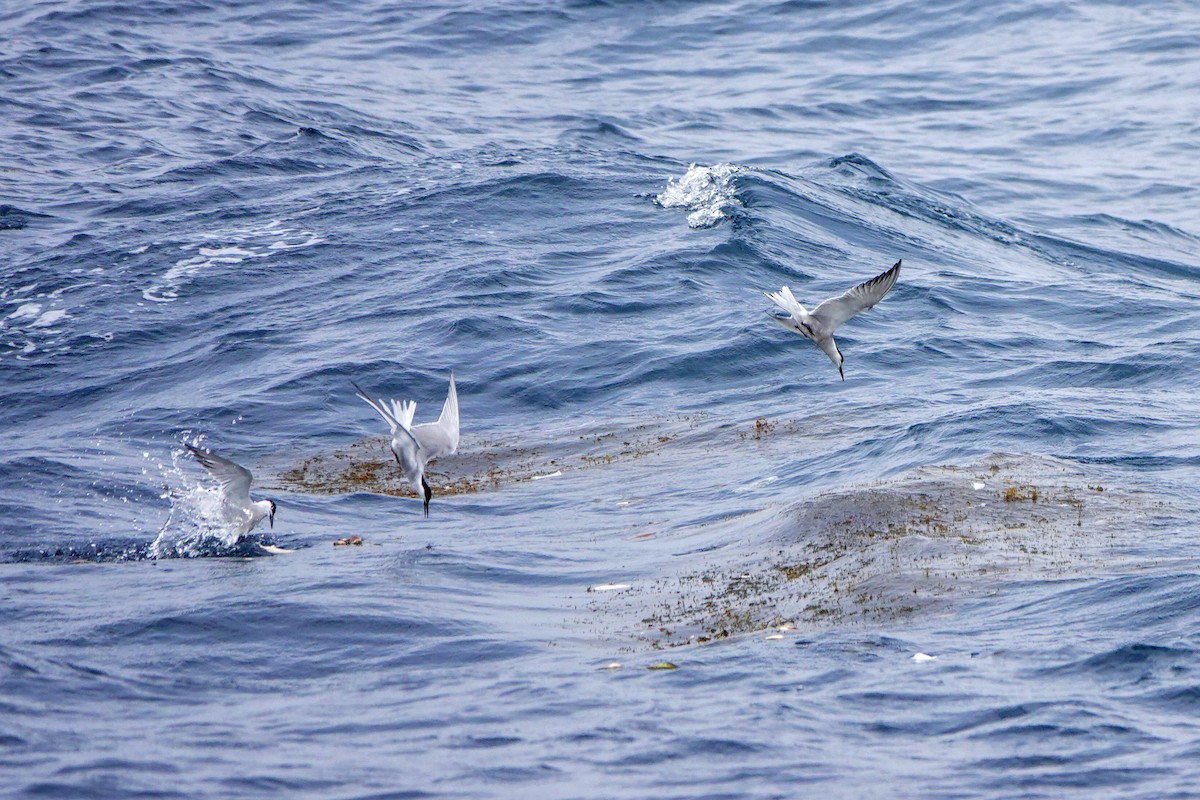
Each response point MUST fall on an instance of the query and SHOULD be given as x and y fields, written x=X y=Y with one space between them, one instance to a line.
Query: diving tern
x=820 y=323
x=240 y=511
x=414 y=446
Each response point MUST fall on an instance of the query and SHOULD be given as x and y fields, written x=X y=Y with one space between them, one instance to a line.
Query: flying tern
x=414 y=446
x=820 y=323
x=240 y=510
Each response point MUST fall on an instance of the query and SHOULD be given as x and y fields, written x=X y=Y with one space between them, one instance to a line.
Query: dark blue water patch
x=967 y=430
x=1102 y=260
x=92 y=552
x=487 y=742
x=597 y=132
x=1090 y=780
x=118 y=765
x=264 y=785
x=307 y=625
x=104 y=787
x=1176 y=700
x=15 y=219
x=1147 y=369
x=308 y=151
x=1144 y=461
x=462 y=653
x=1165 y=41
x=490 y=29
x=951 y=723
x=10 y=741
x=77 y=498
x=117 y=550
x=1144 y=603
x=1071 y=732
x=81 y=681
x=490 y=566
x=184 y=201
x=941 y=212
x=1129 y=665
x=1151 y=229
x=684 y=747
x=1040 y=761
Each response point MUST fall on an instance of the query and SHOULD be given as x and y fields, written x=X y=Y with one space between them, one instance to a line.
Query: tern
x=414 y=446
x=235 y=482
x=820 y=323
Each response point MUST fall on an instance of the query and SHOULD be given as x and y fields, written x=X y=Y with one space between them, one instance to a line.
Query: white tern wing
x=833 y=312
x=235 y=479
x=441 y=438
x=392 y=416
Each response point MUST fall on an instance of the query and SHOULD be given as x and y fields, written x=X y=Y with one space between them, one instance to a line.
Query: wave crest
x=709 y=192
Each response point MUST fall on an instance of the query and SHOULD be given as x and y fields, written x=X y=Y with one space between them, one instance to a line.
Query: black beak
x=271 y=520
x=428 y=493
x=841 y=373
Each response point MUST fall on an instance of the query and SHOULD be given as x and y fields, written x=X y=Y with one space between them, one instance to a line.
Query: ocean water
x=675 y=555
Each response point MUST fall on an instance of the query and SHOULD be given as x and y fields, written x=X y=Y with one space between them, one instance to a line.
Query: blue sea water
x=968 y=570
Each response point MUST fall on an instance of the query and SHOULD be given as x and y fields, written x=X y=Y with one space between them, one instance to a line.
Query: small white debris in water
x=921 y=658
x=979 y=485
x=774 y=636
x=622 y=503
x=554 y=474
x=787 y=626
x=612 y=665
x=610 y=587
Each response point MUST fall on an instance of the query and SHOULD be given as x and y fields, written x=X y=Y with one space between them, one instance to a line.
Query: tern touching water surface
x=240 y=511
x=414 y=446
x=820 y=323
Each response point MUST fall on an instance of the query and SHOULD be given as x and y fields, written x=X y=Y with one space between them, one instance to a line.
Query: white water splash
x=196 y=525
x=709 y=192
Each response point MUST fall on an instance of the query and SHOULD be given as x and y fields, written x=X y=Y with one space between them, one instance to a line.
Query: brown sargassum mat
x=871 y=554
x=481 y=464
x=877 y=554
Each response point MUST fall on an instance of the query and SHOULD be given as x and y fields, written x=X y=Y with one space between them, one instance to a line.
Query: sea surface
x=675 y=556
